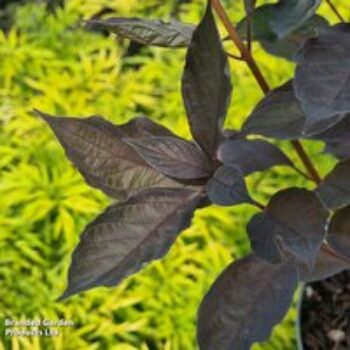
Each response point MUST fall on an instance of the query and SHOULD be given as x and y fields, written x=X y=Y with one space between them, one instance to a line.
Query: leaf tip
x=41 y=114
x=63 y=297
x=66 y=294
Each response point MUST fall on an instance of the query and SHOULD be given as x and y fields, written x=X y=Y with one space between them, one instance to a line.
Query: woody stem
x=259 y=77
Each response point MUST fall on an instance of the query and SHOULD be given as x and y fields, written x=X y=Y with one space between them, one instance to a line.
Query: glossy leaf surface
x=261 y=26
x=337 y=139
x=206 y=86
x=227 y=187
x=149 y=32
x=287 y=46
x=97 y=149
x=322 y=78
x=294 y=218
x=335 y=188
x=339 y=232
x=291 y=14
x=326 y=265
x=278 y=115
x=341 y=150
x=251 y=155
x=173 y=156
x=247 y=300
x=129 y=234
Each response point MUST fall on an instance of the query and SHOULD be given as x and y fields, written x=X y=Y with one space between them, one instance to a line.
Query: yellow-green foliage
x=51 y=63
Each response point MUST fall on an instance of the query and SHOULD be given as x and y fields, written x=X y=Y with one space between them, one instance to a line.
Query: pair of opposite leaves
x=124 y=161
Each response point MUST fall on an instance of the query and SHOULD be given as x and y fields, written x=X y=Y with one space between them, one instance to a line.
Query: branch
x=309 y=166
x=335 y=10
x=259 y=205
x=249 y=32
x=234 y=57
x=248 y=58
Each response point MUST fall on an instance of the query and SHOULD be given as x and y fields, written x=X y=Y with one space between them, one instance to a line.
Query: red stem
x=307 y=162
x=248 y=58
x=335 y=10
x=259 y=205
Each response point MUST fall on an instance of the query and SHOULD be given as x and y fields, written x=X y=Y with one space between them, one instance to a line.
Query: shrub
x=52 y=64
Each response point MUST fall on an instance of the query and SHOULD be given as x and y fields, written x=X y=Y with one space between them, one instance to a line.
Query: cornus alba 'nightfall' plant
x=160 y=179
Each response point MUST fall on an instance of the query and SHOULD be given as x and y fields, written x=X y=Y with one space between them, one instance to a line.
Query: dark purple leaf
x=287 y=46
x=294 y=219
x=149 y=32
x=244 y=304
x=128 y=235
x=338 y=133
x=173 y=156
x=206 y=86
x=277 y=115
x=261 y=26
x=337 y=139
x=339 y=232
x=291 y=14
x=251 y=155
x=263 y=240
x=144 y=127
x=266 y=16
x=322 y=78
x=341 y=150
x=96 y=148
x=335 y=188
x=326 y=265
x=227 y=187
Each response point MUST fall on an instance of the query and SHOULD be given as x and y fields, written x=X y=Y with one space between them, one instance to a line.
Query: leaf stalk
x=259 y=77
x=335 y=10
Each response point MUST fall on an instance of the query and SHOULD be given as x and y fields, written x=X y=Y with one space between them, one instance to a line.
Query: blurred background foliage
x=50 y=62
